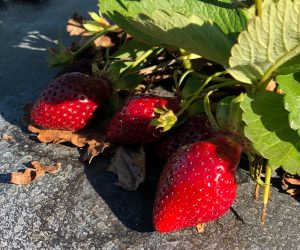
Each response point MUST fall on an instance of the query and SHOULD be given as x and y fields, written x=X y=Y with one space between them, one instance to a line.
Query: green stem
x=194 y=97
x=92 y=39
x=266 y=192
x=258 y=7
x=140 y=60
x=216 y=79
x=219 y=85
x=223 y=85
x=208 y=112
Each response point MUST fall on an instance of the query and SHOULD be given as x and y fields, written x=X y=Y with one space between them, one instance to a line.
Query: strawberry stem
x=208 y=112
x=139 y=60
x=216 y=79
x=258 y=8
x=92 y=39
x=194 y=97
x=266 y=193
x=257 y=186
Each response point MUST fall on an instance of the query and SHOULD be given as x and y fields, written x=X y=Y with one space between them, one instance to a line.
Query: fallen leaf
x=75 y=27
x=31 y=174
x=293 y=191
x=129 y=164
x=291 y=184
x=6 y=137
x=104 y=41
x=93 y=139
x=200 y=228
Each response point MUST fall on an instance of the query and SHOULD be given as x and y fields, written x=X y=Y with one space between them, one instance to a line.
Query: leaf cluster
x=253 y=50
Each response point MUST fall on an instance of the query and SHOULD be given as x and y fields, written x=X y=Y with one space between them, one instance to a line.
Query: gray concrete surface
x=80 y=207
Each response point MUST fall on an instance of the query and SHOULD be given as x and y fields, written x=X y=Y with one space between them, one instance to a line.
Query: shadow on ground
x=132 y=208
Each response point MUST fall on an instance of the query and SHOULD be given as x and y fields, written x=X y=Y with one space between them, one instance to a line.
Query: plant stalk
x=216 y=79
x=266 y=193
x=218 y=86
x=258 y=7
x=198 y=92
x=208 y=112
x=140 y=59
x=257 y=186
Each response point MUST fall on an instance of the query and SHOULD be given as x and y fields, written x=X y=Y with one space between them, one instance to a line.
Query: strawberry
x=69 y=102
x=196 y=128
x=197 y=185
x=131 y=124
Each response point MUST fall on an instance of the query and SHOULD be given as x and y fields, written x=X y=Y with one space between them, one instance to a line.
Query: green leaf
x=128 y=81
x=131 y=50
x=191 y=86
x=207 y=29
x=290 y=84
x=268 y=43
x=267 y=127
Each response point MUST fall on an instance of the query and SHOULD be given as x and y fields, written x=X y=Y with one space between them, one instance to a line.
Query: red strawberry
x=131 y=124
x=197 y=185
x=196 y=128
x=70 y=101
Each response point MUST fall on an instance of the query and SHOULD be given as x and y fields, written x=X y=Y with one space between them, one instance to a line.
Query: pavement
x=80 y=207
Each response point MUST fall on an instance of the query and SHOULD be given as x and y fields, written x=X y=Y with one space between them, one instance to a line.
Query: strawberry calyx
x=166 y=119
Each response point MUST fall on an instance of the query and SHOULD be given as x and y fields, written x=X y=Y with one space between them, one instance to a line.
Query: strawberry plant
x=254 y=47
x=239 y=64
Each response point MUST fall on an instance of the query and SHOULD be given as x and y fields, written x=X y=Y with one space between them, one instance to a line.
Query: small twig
x=257 y=186
x=197 y=93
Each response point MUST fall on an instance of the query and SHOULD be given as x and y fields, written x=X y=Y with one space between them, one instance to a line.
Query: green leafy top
x=269 y=43
x=205 y=28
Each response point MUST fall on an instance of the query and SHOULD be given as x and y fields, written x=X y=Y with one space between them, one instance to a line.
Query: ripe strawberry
x=197 y=185
x=131 y=124
x=70 y=101
x=195 y=129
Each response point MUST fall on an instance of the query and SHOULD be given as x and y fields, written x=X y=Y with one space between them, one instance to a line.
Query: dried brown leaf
x=292 y=181
x=200 y=228
x=130 y=166
x=93 y=139
x=31 y=174
x=6 y=137
x=75 y=27
x=104 y=41
x=291 y=184
x=293 y=191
